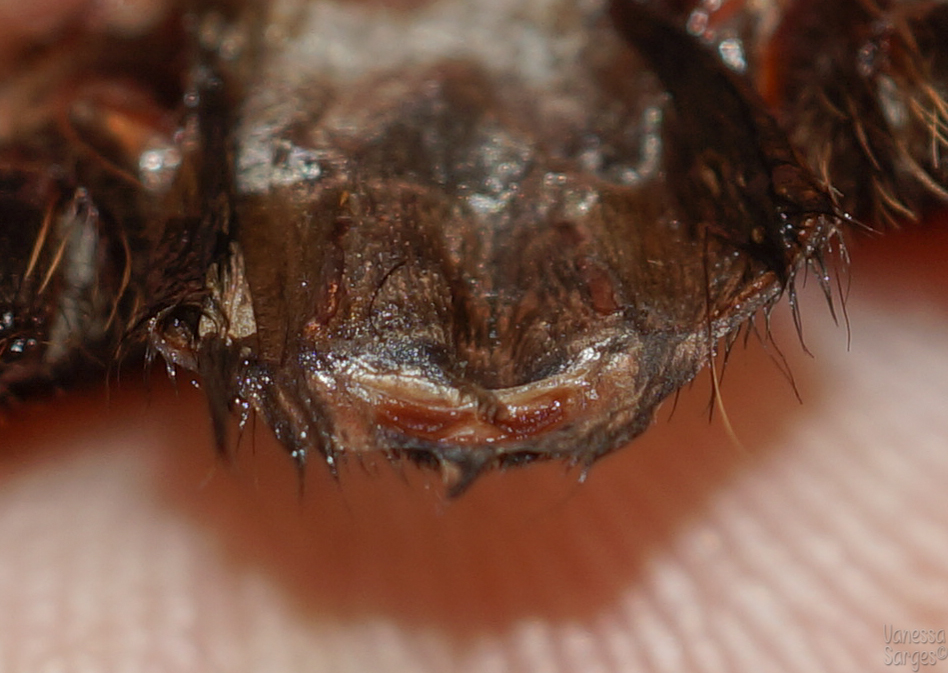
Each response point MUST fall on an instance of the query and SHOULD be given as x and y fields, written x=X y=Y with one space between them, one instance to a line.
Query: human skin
x=126 y=544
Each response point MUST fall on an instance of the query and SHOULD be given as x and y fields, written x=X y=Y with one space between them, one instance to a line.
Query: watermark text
x=914 y=648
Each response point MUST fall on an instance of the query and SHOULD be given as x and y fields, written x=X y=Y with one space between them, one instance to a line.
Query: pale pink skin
x=125 y=545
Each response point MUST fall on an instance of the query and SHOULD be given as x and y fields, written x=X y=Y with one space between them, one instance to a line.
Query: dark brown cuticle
x=472 y=234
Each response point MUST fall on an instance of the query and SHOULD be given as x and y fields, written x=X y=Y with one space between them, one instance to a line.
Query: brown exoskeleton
x=470 y=233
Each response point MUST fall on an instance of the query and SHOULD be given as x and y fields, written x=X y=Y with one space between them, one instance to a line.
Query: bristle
x=460 y=257
x=215 y=370
x=459 y=470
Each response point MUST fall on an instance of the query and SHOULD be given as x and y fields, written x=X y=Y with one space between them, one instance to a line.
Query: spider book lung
x=470 y=233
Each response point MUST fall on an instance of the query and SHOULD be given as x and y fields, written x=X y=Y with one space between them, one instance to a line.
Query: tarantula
x=472 y=233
